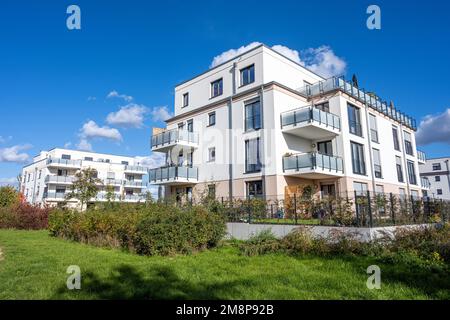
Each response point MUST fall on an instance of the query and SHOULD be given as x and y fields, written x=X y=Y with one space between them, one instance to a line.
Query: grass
x=34 y=267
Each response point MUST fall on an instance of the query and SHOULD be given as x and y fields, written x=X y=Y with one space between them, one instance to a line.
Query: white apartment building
x=261 y=125
x=48 y=178
x=437 y=171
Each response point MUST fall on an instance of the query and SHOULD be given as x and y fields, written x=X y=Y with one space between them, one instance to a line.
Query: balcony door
x=328 y=190
x=325 y=147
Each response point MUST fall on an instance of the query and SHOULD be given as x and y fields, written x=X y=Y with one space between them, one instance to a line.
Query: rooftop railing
x=313 y=160
x=173 y=136
x=309 y=114
x=372 y=100
x=173 y=173
x=64 y=162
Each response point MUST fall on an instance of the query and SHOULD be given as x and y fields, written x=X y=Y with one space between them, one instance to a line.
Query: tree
x=8 y=196
x=85 y=186
x=110 y=195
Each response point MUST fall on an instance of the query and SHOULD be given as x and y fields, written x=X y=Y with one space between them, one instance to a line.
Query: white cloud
x=84 y=145
x=14 y=154
x=321 y=60
x=91 y=98
x=5 y=139
x=324 y=62
x=230 y=54
x=67 y=145
x=115 y=94
x=160 y=113
x=91 y=130
x=154 y=160
x=434 y=129
x=8 y=181
x=131 y=115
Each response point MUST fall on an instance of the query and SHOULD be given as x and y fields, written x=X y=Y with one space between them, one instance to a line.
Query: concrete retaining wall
x=243 y=231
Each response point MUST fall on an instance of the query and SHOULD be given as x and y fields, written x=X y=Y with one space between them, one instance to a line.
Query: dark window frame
x=185 y=99
x=253 y=167
x=358 y=160
x=211 y=114
x=257 y=185
x=256 y=123
x=250 y=77
x=219 y=92
x=354 y=126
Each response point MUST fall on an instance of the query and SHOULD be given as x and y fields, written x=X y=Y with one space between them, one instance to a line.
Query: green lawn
x=33 y=266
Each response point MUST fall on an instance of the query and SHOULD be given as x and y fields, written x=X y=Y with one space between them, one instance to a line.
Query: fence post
x=428 y=209
x=249 y=211
x=370 y=209
x=356 y=208
x=295 y=208
x=413 y=209
x=391 y=198
x=222 y=200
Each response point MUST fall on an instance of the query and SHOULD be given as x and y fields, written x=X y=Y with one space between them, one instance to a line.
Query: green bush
x=261 y=243
x=9 y=196
x=150 y=229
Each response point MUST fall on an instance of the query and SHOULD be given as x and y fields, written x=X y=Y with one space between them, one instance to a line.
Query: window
x=377 y=164
x=439 y=191
x=88 y=159
x=181 y=126
x=415 y=194
x=111 y=175
x=425 y=193
x=254 y=189
x=211 y=119
x=190 y=156
x=40 y=173
x=324 y=106
x=395 y=136
x=358 y=163
x=212 y=190
x=325 y=147
x=248 y=75
x=252 y=116
x=180 y=158
x=402 y=193
x=65 y=156
x=185 y=99
x=436 y=166
x=60 y=190
x=212 y=154
x=408 y=144
x=354 y=120
x=62 y=172
x=252 y=159
x=379 y=189
x=411 y=173
x=29 y=177
x=190 y=126
x=37 y=190
x=216 y=88
x=360 y=188
x=108 y=161
x=124 y=163
x=437 y=178
x=398 y=162
x=373 y=128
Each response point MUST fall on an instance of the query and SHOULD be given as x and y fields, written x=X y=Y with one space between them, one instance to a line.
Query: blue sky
x=54 y=81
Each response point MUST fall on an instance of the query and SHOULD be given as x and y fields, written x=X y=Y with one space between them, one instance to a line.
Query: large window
x=212 y=190
x=354 y=120
x=65 y=156
x=216 y=88
x=398 y=163
x=211 y=118
x=395 y=137
x=185 y=99
x=253 y=116
x=252 y=157
x=360 y=188
x=255 y=189
x=190 y=126
x=325 y=147
x=248 y=75
x=408 y=144
x=411 y=173
x=377 y=164
x=436 y=166
x=358 y=163
x=324 y=106
x=373 y=128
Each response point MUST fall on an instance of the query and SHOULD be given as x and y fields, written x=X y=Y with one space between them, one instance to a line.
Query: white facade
x=438 y=173
x=291 y=150
x=48 y=179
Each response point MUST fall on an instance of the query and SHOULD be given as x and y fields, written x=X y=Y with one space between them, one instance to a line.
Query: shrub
x=24 y=216
x=9 y=196
x=263 y=242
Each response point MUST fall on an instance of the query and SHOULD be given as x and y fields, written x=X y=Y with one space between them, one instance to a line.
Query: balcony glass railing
x=59 y=179
x=111 y=182
x=313 y=160
x=54 y=195
x=425 y=182
x=136 y=169
x=64 y=162
x=372 y=100
x=173 y=173
x=310 y=114
x=140 y=184
x=173 y=136
x=421 y=156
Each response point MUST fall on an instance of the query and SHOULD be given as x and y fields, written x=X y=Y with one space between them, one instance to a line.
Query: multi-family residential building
x=437 y=170
x=261 y=125
x=47 y=180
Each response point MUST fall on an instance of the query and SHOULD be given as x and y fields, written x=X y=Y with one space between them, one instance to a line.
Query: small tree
x=110 y=195
x=85 y=186
x=8 y=196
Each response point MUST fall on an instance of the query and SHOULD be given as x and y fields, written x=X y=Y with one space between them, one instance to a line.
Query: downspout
x=261 y=140
x=370 y=147
x=405 y=163
x=230 y=132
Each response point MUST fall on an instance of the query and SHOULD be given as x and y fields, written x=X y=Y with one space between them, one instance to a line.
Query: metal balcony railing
x=59 y=179
x=136 y=169
x=54 y=195
x=128 y=183
x=64 y=162
x=173 y=173
x=173 y=136
x=313 y=160
x=372 y=100
x=310 y=114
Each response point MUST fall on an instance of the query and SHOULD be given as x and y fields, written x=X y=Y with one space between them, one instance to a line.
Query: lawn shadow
x=161 y=282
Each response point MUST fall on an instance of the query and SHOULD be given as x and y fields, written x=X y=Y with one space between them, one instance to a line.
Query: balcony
x=173 y=175
x=311 y=123
x=372 y=100
x=112 y=182
x=54 y=196
x=63 y=163
x=425 y=183
x=313 y=165
x=59 y=180
x=421 y=157
x=163 y=141
x=136 y=169
x=134 y=184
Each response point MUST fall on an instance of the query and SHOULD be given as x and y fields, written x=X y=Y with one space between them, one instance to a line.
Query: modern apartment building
x=261 y=125
x=48 y=179
x=437 y=171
